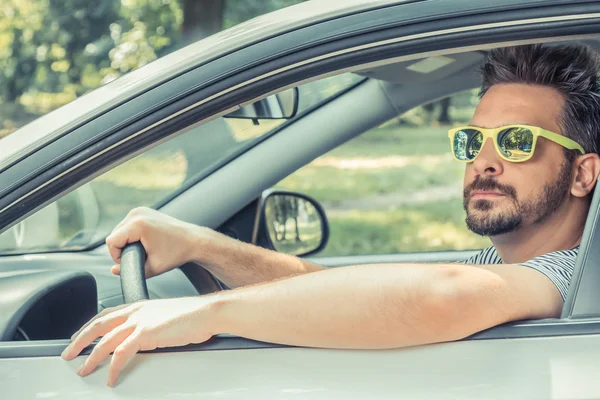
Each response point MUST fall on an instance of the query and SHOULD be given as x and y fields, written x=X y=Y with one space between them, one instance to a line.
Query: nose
x=488 y=163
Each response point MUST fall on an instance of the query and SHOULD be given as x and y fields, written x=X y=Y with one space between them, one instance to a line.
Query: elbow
x=457 y=305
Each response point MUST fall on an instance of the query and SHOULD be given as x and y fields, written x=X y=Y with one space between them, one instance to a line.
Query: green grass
x=431 y=227
x=397 y=140
x=333 y=184
x=408 y=160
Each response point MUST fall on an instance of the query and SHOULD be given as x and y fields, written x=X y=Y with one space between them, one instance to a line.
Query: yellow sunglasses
x=514 y=143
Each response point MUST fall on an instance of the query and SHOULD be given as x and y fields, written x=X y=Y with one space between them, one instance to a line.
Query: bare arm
x=386 y=306
x=364 y=307
x=237 y=264
x=170 y=243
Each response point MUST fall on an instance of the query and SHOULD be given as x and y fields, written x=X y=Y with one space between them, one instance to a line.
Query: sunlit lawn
x=430 y=227
x=401 y=161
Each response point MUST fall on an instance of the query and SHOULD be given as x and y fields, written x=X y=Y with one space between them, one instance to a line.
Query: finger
x=101 y=314
x=123 y=222
x=103 y=349
x=121 y=355
x=115 y=252
x=116 y=269
x=120 y=238
x=99 y=327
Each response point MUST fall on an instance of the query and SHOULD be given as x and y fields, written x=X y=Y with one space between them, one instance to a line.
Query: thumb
x=116 y=269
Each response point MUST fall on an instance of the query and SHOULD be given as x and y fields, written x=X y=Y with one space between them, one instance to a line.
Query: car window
x=88 y=214
x=395 y=188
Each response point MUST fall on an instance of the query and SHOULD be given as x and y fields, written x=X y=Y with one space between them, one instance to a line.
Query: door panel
x=556 y=368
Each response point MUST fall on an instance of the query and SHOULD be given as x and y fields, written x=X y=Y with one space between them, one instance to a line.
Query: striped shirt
x=557 y=266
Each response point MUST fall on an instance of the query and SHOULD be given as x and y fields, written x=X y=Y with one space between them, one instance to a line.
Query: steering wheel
x=133 y=276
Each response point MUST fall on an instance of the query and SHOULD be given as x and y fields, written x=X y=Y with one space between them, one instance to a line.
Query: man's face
x=500 y=196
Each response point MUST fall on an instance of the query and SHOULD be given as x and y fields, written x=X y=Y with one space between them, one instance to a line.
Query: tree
x=52 y=51
x=201 y=18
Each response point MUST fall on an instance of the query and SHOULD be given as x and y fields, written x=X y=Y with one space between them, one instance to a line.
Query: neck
x=561 y=231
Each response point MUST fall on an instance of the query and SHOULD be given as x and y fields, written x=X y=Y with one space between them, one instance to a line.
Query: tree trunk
x=201 y=18
x=444 y=118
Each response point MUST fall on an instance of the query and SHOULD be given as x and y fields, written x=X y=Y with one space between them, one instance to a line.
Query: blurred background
x=52 y=51
x=394 y=189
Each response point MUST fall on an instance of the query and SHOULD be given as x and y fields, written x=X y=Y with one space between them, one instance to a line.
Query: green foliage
x=237 y=11
x=52 y=51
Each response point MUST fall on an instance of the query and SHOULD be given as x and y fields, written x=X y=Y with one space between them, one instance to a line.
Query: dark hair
x=570 y=69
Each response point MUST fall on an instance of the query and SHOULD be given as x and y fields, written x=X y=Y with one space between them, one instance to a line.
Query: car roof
x=54 y=124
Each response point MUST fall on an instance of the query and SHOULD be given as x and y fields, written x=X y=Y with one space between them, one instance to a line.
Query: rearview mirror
x=292 y=223
x=282 y=105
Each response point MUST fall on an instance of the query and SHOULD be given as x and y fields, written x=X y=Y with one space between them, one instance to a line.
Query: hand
x=145 y=325
x=168 y=242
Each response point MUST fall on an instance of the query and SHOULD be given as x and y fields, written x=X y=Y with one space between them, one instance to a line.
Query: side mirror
x=291 y=223
x=282 y=105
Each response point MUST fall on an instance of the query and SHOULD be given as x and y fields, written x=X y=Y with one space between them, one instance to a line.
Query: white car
x=245 y=109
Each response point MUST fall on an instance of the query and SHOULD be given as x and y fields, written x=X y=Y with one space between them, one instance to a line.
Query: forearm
x=236 y=263
x=366 y=307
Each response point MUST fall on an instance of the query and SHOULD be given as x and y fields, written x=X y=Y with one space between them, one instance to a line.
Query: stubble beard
x=483 y=220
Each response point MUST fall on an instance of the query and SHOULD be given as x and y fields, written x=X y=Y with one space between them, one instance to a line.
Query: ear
x=586 y=169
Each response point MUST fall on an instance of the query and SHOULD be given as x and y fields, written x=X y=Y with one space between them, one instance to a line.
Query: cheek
x=528 y=180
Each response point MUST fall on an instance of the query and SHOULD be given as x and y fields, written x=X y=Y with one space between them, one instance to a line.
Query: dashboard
x=46 y=304
x=50 y=296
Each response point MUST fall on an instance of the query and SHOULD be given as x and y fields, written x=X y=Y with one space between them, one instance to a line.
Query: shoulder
x=557 y=266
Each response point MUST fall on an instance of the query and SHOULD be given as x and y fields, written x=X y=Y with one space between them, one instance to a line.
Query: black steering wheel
x=133 y=276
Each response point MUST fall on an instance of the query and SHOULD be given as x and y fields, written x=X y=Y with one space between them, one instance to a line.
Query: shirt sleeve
x=557 y=266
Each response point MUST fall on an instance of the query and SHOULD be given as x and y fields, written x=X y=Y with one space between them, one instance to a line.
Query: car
x=220 y=124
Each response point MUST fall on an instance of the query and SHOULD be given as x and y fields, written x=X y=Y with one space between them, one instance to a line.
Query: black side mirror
x=291 y=223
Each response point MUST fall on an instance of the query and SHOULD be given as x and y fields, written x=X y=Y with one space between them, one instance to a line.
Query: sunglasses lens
x=467 y=144
x=516 y=144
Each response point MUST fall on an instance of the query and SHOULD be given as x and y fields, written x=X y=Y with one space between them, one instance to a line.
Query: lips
x=488 y=189
x=485 y=194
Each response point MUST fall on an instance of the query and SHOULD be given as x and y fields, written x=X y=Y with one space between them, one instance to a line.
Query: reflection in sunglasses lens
x=460 y=145
x=474 y=144
x=467 y=144
x=516 y=143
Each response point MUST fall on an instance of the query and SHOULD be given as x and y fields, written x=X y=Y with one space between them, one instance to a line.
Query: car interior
x=48 y=296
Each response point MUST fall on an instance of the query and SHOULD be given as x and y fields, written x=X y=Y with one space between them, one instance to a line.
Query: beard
x=481 y=221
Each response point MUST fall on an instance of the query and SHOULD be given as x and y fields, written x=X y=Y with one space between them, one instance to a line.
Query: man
x=528 y=187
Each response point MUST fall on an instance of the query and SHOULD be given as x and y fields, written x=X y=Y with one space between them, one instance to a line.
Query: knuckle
x=137 y=211
x=97 y=323
x=120 y=351
x=134 y=211
x=139 y=221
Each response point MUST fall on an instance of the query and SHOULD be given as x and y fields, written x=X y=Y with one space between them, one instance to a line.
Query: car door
x=544 y=359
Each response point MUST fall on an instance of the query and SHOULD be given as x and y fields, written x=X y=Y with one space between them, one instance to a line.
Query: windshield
x=53 y=52
x=88 y=214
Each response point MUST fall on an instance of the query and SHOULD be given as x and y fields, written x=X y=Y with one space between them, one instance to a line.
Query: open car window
x=87 y=215
x=383 y=191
